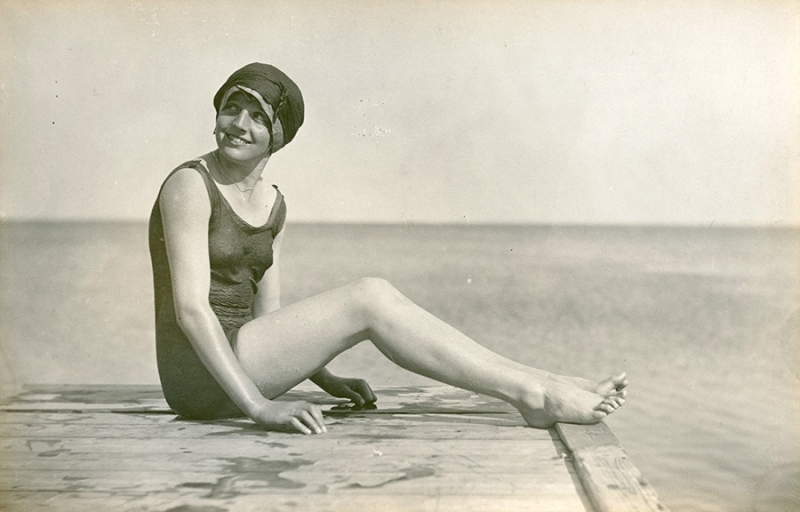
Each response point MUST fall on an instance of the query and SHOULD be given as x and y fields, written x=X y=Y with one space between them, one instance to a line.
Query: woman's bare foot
x=565 y=403
x=612 y=386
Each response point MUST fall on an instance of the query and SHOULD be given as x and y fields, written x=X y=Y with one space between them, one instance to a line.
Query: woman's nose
x=242 y=120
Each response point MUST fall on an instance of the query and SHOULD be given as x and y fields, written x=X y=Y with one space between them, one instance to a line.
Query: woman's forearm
x=204 y=331
x=320 y=377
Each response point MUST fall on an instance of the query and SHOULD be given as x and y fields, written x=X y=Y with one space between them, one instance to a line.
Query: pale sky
x=600 y=112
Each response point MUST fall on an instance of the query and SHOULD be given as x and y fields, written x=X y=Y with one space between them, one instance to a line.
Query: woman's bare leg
x=285 y=347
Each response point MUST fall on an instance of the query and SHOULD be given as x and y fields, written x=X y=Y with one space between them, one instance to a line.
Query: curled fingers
x=308 y=419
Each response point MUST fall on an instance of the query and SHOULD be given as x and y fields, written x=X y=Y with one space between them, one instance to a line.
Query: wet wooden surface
x=434 y=448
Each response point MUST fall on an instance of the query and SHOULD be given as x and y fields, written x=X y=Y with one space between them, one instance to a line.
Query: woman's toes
x=614 y=402
x=605 y=407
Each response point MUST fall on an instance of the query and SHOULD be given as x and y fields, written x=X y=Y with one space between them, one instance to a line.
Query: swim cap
x=275 y=88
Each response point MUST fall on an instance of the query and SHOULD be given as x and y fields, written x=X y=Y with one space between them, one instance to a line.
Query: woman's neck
x=245 y=174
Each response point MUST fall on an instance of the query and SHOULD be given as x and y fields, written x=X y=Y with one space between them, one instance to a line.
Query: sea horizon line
x=424 y=224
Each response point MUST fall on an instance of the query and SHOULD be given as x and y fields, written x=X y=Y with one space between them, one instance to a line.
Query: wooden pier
x=97 y=448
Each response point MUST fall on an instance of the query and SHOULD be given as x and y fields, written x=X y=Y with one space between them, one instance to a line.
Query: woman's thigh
x=281 y=349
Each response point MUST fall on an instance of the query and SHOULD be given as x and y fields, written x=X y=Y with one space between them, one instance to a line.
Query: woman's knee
x=375 y=293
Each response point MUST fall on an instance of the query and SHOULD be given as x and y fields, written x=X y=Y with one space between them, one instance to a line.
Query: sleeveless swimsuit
x=239 y=255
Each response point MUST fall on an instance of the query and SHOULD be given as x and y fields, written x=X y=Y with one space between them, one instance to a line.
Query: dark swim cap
x=275 y=88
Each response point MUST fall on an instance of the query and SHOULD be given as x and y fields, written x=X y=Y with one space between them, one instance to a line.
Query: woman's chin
x=242 y=154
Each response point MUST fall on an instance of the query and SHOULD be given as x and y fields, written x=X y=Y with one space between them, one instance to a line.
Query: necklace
x=235 y=184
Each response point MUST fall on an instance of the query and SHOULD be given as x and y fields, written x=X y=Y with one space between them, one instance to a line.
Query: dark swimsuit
x=239 y=255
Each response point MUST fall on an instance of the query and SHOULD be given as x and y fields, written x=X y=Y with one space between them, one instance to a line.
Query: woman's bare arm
x=185 y=212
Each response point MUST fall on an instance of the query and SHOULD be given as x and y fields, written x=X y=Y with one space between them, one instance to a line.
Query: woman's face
x=243 y=128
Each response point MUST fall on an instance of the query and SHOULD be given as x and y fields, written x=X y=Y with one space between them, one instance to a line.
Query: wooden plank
x=535 y=465
x=314 y=445
x=357 y=428
x=363 y=452
x=103 y=420
x=286 y=502
x=127 y=453
x=391 y=400
x=333 y=473
x=87 y=393
x=252 y=475
x=587 y=436
x=87 y=397
x=390 y=429
x=441 y=447
x=610 y=479
x=101 y=417
x=362 y=428
x=92 y=423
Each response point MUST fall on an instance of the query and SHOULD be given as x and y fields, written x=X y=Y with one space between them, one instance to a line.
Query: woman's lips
x=236 y=141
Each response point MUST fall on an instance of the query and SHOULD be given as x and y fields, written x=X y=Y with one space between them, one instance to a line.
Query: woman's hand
x=302 y=416
x=355 y=390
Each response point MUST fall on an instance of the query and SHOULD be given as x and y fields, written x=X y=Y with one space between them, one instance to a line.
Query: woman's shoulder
x=183 y=178
x=185 y=185
x=195 y=166
x=190 y=172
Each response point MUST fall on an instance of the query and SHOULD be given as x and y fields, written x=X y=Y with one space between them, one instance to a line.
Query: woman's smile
x=236 y=141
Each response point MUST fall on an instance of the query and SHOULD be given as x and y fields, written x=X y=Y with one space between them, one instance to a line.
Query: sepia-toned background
x=582 y=186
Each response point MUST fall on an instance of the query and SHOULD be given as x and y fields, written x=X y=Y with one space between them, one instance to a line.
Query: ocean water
x=703 y=321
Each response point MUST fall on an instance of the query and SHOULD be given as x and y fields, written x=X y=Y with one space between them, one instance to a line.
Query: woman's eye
x=231 y=107
x=260 y=118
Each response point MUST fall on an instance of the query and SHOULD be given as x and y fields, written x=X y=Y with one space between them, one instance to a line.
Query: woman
x=226 y=347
